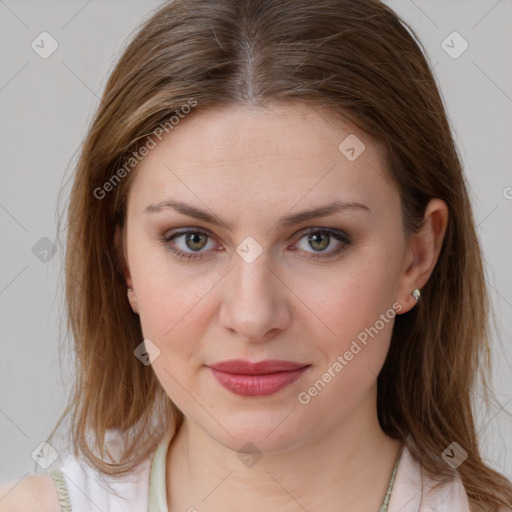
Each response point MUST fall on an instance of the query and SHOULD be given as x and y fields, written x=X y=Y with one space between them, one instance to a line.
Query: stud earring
x=416 y=294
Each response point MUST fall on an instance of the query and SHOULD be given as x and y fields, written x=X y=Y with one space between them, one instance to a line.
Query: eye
x=190 y=240
x=320 y=239
x=189 y=244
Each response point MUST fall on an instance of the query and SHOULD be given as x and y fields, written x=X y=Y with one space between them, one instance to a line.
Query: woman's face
x=321 y=292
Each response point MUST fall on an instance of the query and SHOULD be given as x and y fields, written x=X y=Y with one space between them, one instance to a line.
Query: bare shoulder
x=35 y=492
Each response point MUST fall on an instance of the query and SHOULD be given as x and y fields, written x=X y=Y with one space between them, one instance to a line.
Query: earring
x=416 y=294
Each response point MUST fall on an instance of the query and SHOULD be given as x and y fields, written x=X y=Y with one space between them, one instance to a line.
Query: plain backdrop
x=46 y=105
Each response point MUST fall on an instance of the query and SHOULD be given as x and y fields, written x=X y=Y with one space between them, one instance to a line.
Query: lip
x=261 y=378
x=244 y=367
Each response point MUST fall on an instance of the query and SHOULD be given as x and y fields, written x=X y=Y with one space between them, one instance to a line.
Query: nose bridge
x=255 y=300
x=254 y=277
x=252 y=262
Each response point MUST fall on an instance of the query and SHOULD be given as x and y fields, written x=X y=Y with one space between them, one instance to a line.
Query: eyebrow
x=289 y=220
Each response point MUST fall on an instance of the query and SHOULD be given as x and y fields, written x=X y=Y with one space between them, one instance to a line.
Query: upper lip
x=241 y=366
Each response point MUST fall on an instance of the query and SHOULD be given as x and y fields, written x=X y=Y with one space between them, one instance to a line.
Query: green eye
x=318 y=239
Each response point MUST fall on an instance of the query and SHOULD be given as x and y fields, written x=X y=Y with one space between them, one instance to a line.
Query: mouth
x=262 y=378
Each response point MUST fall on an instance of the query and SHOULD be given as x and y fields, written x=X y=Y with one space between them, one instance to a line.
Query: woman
x=274 y=282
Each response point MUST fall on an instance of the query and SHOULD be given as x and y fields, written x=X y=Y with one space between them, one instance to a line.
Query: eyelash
x=338 y=235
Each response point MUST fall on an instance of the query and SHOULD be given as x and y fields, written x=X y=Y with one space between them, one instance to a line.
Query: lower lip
x=257 y=385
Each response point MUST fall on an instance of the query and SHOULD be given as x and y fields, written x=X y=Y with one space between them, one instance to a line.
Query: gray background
x=46 y=106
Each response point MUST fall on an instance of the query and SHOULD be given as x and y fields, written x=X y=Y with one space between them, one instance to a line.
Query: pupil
x=324 y=236
x=193 y=237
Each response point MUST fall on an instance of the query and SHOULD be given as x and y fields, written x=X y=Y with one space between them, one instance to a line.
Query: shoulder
x=36 y=493
x=86 y=486
x=414 y=491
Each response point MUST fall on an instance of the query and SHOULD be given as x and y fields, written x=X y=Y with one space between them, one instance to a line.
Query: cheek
x=361 y=319
x=172 y=300
x=173 y=316
x=351 y=295
x=171 y=309
x=355 y=306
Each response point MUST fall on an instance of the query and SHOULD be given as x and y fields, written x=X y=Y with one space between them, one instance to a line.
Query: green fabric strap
x=387 y=497
x=62 y=490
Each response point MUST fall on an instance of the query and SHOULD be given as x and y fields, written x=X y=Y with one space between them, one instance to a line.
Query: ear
x=422 y=252
x=119 y=248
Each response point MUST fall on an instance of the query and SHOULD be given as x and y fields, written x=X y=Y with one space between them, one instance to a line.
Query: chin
x=258 y=432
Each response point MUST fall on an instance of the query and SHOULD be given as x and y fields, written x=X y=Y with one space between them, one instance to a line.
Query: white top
x=82 y=488
x=144 y=490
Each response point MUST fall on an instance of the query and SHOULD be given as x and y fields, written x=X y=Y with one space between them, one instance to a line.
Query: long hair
x=360 y=60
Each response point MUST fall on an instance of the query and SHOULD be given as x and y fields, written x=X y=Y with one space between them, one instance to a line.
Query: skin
x=250 y=167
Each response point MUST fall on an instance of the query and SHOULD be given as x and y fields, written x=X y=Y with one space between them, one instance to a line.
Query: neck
x=349 y=468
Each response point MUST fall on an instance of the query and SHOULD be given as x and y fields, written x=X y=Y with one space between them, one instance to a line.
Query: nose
x=256 y=303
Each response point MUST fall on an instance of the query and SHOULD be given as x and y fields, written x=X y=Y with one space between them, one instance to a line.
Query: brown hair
x=358 y=59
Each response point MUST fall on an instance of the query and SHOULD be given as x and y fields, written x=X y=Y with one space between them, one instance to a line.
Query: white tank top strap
x=82 y=488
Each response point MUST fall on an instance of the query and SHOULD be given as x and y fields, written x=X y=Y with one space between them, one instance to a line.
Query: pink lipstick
x=256 y=379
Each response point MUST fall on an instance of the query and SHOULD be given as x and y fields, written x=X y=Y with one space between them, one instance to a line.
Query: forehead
x=263 y=157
